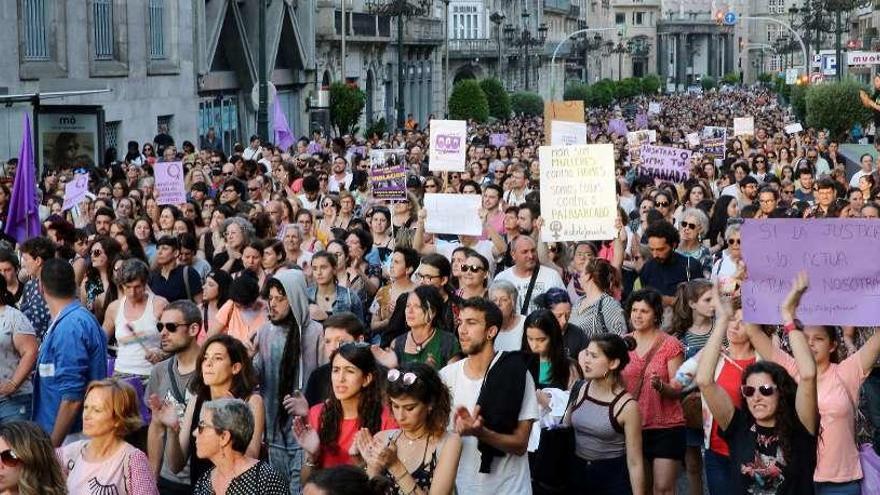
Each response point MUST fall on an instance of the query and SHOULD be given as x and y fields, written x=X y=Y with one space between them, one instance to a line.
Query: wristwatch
x=792 y=325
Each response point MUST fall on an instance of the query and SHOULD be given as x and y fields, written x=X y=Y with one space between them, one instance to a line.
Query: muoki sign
x=863 y=58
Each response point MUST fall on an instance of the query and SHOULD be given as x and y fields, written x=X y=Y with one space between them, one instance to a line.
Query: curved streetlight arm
x=790 y=30
x=556 y=51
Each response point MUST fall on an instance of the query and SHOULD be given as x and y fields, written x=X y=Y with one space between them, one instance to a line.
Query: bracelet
x=790 y=326
x=309 y=463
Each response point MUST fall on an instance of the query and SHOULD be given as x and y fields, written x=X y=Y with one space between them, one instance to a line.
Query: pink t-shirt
x=126 y=471
x=838 y=460
x=657 y=412
x=347 y=430
x=236 y=325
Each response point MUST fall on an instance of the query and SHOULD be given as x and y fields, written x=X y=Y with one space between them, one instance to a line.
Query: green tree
x=499 y=100
x=527 y=103
x=836 y=107
x=708 y=83
x=601 y=94
x=765 y=78
x=651 y=84
x=346 y=105
x=468 y=101
x=376 y=128
x=799 y=100
x=730 y=78
x=627 y=88
x=577 y=91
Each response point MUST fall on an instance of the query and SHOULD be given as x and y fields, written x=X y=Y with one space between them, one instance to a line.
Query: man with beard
x=530 y=278
x=666 y=268
x=287 y=353
x=340 y=178
x=495 y=404
x=168 y=390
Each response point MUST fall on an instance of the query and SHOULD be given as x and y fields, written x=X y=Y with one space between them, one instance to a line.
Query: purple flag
x=23 y=221
x=283 y=135
x=641 y=121
x=617 y=126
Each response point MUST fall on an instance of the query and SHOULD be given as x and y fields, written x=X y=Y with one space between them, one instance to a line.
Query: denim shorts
x=16 y=408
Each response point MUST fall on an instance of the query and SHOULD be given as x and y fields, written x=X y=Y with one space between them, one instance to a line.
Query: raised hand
x=296 y=404
x=163 y=412
x=467 y=424
x=306 y=436
x=790 y=304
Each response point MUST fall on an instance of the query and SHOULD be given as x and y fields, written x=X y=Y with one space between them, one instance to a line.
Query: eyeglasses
x=9 y=458
x=252 y=189
x=227 y=174
x=96 y=253
x=408 y=378
x=765 y=390
x=662 y=204
x=788 y=191
x=422 y=276
x=171 y=327
x=734 y=242
x=471 y=268
x=688 y=225
x=202 y=425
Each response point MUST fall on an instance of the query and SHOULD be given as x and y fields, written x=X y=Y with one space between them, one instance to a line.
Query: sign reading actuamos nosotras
x=578 y=200
x=448 y=145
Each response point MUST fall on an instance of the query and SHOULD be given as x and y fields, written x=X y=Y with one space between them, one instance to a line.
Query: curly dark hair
x=243 y=383
x=663 y=230
x=786 y=414
x=428 y=389
x=370 y=400
x=650 y=297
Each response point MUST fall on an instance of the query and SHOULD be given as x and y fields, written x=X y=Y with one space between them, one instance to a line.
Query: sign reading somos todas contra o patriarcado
x=836 y=253
x=578 y=199
x=665 y=163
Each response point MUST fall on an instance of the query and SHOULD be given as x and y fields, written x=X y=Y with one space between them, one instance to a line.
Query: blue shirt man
x=73 y=354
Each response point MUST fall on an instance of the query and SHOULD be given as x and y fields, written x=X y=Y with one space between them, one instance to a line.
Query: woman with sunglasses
x=724 y=270
x=425 y=342
x=329 y=432
x=474 y=275
x=28 y=465
x=773 y=439
x=694 y=223
x=97 y=285
x=223 y=370
x=330 y=207
x=665 y=204
x=104 y=462
x=420 y=457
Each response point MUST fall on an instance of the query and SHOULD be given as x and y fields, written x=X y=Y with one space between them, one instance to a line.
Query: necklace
x=420 y=345
x=410 y=441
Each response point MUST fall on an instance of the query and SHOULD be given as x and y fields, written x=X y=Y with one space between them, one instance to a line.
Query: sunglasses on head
x=9 y=458
x=171 y=327
x=408 y=378
x=471 y=268
x=765 y=390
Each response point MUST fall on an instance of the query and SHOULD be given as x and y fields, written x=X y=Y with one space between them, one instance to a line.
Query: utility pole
x=263 y=107
x=446 y=37
x=342 y=61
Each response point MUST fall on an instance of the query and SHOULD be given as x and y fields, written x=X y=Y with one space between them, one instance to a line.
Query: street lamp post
x=596 y=43
x=525 y=42
x=497 y=18
x=446 y=37
x=263 y=106
x=400 y=9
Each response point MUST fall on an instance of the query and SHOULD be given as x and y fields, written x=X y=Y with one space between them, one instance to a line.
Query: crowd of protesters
x=283 y=331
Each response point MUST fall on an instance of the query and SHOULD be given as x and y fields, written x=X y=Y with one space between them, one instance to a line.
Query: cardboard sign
x=453 y=214
x=617 y=126
x=578 y=200
x=744 y=126
x=567 y=111
x=75 y=191
x=693 y=139
x=653 y=108
x=170 y=189
x=794 y=128
x=498 y=140
x=448 y=145
x=844 y=288
x=388 y=174
x=568 y=133
x=666 y=163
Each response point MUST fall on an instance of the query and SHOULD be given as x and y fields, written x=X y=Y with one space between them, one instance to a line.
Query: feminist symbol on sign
x=173 y=171
x=82 y=181
x=555 y=227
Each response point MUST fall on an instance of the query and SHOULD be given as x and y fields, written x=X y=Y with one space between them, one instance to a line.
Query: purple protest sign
x=665 y=163
x=642 y=121
x=844 y=286
x=617 y=126
x=75 y=191
x=388 y=174
x=498 y=140
x=169 y=183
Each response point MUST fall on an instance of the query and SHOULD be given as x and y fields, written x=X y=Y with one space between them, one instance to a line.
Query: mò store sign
x=863 y=58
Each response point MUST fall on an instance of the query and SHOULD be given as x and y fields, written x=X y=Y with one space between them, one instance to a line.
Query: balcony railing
x=421 y=31
x=363 y=24
x=473 y=48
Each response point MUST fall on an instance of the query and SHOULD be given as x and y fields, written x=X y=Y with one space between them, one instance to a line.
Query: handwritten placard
x=498 y=139
x=794 y=128
x=693 y=139
x=453 y=214
x=578 y=199
x=388 y=174
x=653 y=108
x=665 y=163
x=448 y=145
x=75 y=191
x=836 y=253
x=567 y=133
x=169 y=183
x=714 y=141
x=744 y=126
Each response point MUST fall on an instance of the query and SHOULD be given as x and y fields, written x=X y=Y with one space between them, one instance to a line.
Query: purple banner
x=641 y=121
x=169 y=183
x=836 y=253
x=617 y=126
x=75 y=191
x=665 y=163
x=498 y=140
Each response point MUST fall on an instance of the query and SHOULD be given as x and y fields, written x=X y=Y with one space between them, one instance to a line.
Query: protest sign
x=568 y=111
x=744 y=126
x=453 y=214
x=75 y=191
x=567 y=133
x=653 y=108
x=578 y=199
x=665 y=163
x=714 y=141
x=448 y=144
x=169 y=183
x=794 y=128
x=498 y=140
x=617 y=126
x=641 y=121
x=635 y=140
x=844 y=288
x=388 y=174
x=693 y=139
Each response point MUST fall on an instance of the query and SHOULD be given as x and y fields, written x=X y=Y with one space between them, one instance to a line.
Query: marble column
x=728 y=53
x=712 y=55
x=681 y=60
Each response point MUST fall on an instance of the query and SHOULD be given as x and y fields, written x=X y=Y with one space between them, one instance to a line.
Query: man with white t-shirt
x=525 y=262
x=494 y=405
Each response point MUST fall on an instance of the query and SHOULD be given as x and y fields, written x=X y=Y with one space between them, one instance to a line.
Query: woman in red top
x=356 y=403
x=649 y=379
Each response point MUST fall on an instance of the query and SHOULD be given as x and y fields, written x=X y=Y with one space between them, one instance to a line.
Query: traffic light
x=719 y=17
